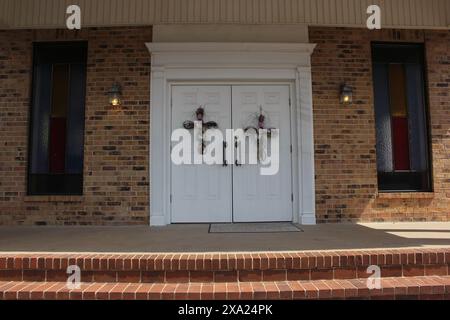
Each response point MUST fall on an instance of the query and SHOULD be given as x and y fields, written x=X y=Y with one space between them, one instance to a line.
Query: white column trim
x=158 y=166
x=306 y=138
x=230 y=63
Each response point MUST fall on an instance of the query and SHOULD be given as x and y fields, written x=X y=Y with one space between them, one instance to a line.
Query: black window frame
x=395 y=52
x=66 y=184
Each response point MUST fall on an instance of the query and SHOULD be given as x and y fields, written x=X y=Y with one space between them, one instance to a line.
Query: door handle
x=236 y=149
x=224 y=160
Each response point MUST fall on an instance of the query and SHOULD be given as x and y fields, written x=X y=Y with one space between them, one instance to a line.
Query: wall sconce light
x=115 y=95
x=346 y=94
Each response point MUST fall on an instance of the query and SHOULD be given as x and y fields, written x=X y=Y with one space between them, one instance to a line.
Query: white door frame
x=231 y=63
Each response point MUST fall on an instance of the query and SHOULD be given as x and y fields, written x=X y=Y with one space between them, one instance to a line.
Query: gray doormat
x=253 y=228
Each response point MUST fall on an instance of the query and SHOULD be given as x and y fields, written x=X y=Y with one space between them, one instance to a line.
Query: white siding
x=396 y=13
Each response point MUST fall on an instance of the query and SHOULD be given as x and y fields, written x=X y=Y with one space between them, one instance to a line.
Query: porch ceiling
x=395 y=13
x=195 y=238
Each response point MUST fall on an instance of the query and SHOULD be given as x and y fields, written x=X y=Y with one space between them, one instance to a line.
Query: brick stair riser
x=184 y=268
x=223 y=262
x=186 y=276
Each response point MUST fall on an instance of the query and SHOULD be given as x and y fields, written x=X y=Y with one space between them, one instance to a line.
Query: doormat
x=253 y=228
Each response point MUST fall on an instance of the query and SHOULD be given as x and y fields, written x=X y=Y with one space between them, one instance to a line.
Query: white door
x=256 y=197
x=201 y=193
x=216 y=193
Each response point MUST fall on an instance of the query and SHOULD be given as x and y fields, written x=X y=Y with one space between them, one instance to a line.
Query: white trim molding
x=229 y=63
x=223 y=47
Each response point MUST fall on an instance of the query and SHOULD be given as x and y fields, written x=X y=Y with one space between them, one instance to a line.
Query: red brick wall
x=116 y=162
x=345 y=154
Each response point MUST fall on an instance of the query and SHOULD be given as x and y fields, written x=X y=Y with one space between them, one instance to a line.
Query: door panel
x=201 y=193
x=258 y=198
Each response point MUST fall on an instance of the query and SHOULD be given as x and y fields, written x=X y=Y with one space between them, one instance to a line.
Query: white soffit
x=418 y=14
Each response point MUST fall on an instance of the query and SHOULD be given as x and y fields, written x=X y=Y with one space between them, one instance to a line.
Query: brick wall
x=116 y=185
x=345 y=154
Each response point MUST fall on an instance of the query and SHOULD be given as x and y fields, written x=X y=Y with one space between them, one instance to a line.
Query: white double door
x=217 y=193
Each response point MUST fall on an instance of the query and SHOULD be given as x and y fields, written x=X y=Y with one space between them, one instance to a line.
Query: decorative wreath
x=261 y=119
x=199 y=115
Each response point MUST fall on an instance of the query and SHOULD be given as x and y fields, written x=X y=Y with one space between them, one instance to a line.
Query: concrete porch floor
x=195 y=238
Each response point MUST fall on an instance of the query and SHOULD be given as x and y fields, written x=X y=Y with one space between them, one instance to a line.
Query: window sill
x=405 y=195
x=54 y=198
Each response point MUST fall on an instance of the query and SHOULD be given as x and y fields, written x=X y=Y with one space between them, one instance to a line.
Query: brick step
x=433 y=287
x=220 y=276
x=224 y=267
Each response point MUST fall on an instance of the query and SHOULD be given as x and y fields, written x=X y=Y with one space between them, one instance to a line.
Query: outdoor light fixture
x=115 y=95
x=346 y=94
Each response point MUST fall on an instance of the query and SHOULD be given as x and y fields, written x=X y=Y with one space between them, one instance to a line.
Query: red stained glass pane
x=57 y=145
x=401 y=143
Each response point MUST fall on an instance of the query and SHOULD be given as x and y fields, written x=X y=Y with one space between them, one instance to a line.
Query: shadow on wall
x=404 y=209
